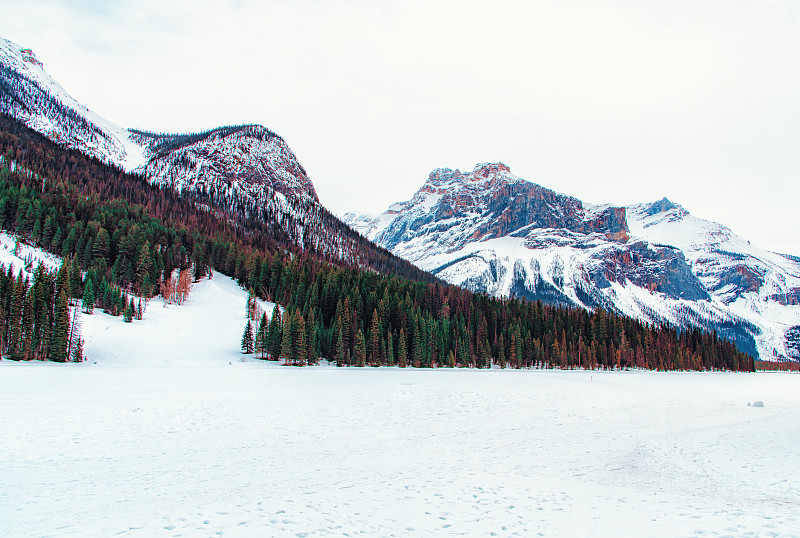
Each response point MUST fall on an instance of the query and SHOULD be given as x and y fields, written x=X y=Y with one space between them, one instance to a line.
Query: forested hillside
x=128 y=236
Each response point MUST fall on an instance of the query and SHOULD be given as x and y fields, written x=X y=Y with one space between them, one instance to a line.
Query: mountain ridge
x=653 y=261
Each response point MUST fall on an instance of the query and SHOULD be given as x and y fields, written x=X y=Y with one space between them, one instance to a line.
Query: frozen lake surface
x=165 y=433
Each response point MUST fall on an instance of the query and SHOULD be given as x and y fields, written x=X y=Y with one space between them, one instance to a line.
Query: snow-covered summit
x=489 y=230
x=453 y=209
x=482 y=173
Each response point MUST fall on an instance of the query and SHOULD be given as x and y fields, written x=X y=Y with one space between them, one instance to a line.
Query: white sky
x=612 y=101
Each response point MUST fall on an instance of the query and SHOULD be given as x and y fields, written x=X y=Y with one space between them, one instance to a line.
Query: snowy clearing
x=164 y=432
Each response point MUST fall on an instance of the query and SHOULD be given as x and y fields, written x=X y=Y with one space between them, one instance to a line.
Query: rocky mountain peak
x=488 y=169
x=443 y=176
x=486 y=203
x=447 y=177
x=662 y=206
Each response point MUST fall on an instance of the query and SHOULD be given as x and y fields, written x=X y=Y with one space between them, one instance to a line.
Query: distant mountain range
x=491 y=231
x=486 y=230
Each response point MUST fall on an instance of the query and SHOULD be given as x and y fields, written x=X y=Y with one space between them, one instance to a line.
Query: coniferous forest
x=121 y=237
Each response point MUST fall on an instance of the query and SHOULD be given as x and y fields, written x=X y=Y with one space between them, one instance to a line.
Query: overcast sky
x=617 y=102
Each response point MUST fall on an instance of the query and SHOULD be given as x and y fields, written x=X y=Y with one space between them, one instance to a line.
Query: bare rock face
x=654 y=268
x=793 y=342
x=613 y=222
x=787 y=297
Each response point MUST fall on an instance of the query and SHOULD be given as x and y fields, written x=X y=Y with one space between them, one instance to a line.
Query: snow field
x=203 y=332
x=168 y=434
x=18 y=254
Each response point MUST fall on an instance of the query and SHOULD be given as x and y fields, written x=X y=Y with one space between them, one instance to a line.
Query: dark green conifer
x=248 y=343
x=287 y=341
x=402 y=355
x=88 y=297
x=261 y=336
x=275 y=334
x=57 y=348
x=360 y=353
x=129 y=312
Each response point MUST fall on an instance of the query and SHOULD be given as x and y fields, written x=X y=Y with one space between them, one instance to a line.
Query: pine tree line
x=37 y=319
x=163 y=143
x=361 y=318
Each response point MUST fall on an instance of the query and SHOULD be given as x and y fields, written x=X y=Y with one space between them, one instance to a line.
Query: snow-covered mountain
x=489 y=230
x=241 y=161
x=247 y=161
x=246 y=170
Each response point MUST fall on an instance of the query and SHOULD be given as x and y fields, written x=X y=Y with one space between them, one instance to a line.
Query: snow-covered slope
x=20 y=256
x=246 y=164
x=754 y=284
x=29 y=94
x=244 y=170
x=204 y=331
x=489 y=230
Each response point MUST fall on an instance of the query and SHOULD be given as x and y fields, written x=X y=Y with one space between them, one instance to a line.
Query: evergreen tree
x=360 y=349
x=144 y=266
x=14 y=342
x=27 y=327
x=75 y=278
x=77 y=351
x=402 y=356
x=100 y=248
x=374 y=339
x=299 y=344
x=287 y=343
x=341 y=351
x=74 y=338
x=247 y=338
x=274 y=334
x=88 y=297
x=389 y=348
x=261 y=335
x=57 y=348
x=130 y=309
x=63 y=279
x=312 y=331
x=200 y=265
x=416 y=347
